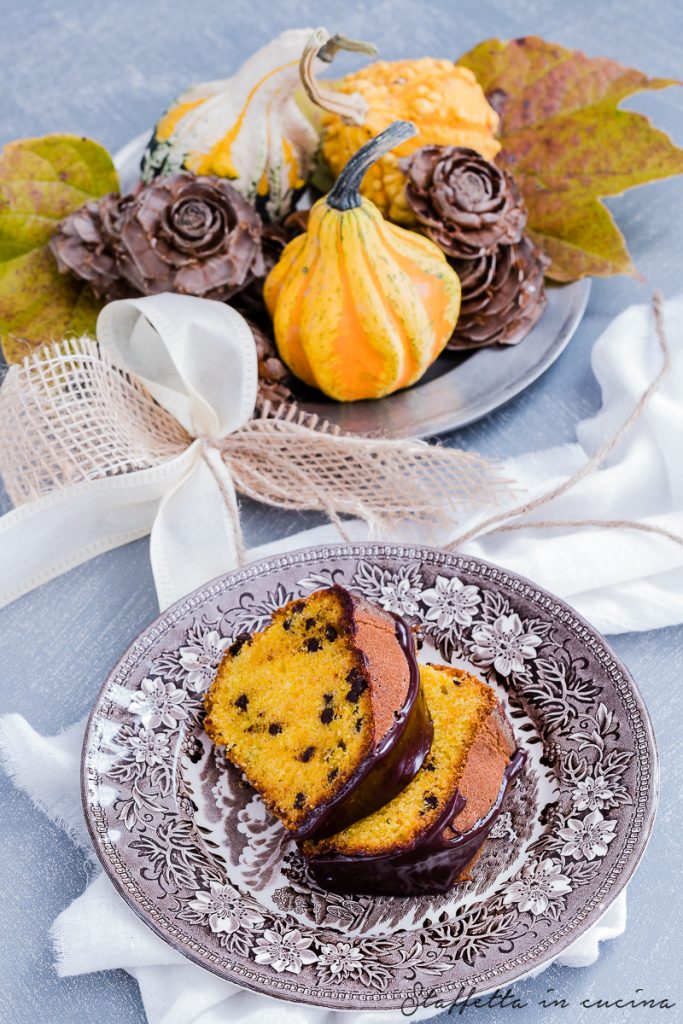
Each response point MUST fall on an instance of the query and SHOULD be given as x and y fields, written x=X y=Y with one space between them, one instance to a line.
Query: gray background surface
x=107 y=71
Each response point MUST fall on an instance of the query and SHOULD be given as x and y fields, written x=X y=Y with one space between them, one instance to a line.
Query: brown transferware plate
x=191 y=848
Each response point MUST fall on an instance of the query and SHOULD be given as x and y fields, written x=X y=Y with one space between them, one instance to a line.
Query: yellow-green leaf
x=568 y=144
x=41 y=182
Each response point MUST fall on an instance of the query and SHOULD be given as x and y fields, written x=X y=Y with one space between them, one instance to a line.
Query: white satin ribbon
x=197 y=358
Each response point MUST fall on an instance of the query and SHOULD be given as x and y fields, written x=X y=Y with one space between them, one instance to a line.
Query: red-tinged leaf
x=568 y=144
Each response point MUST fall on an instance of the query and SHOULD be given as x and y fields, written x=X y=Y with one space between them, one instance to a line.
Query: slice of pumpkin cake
x=322 y=710
x=424 y=839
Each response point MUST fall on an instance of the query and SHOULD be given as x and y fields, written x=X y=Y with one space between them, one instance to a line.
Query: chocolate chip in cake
x=341 y=745
x=312 y=644
x=287 y=624
x=307 y=754
x=242 y=702
x=297 y=607
x=359 y=685
x=359 y=724
x=299 y=801
x=331 y=633
x=328 y=697
x=310 y=623
x=326 y=715
x=274 y=728
x=238 y=643
x=431 y=800
x=331 y=776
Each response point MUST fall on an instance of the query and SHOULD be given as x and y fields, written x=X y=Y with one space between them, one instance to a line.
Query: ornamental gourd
x=444 y=101
x=256 y=128
x=361 y=307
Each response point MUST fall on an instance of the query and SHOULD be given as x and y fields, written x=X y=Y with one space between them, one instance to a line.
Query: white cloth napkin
x=620 y=579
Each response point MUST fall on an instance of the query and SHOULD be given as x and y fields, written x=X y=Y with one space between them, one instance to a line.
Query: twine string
x=603 y=524
x=229 y=501
x=500 y=522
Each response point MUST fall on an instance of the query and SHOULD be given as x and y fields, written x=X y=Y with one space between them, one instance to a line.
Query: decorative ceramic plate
x=460 y=387
x=190 y=847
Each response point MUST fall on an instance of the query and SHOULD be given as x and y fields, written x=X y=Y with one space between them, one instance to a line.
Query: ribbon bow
x=154 y=431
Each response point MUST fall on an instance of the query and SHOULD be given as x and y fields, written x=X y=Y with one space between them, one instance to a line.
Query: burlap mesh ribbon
x=76 y=413
x=67 y=415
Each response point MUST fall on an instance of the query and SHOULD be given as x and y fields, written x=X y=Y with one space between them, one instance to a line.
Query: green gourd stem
x=345 y=193
x=337 y=42
x=352 y=108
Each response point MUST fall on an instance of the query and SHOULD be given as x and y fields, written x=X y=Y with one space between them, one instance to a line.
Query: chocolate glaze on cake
x=403 y=739
x=439 y=857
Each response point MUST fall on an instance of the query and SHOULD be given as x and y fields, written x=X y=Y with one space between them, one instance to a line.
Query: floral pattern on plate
x=192 y=849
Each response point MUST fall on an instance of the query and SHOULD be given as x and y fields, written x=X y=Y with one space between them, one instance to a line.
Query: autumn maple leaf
x=568 y=144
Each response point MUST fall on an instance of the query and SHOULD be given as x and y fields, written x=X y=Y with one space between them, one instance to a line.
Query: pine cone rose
x=465 y=204
x=502 y=296
x=84 y=244
x=181 y=233
x=274 y=377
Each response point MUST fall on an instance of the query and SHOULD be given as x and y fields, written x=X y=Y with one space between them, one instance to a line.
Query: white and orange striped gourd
x=256 y=128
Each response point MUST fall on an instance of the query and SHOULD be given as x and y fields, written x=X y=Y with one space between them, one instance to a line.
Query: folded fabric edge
x=130 y=942
x=17 y=740
x=586 y=950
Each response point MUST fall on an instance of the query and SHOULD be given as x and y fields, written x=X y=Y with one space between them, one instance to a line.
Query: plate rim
x=582 y=289
x=387 y=549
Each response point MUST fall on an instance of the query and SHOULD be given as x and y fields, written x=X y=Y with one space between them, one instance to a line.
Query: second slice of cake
x=426 y=838
x=323 y=710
